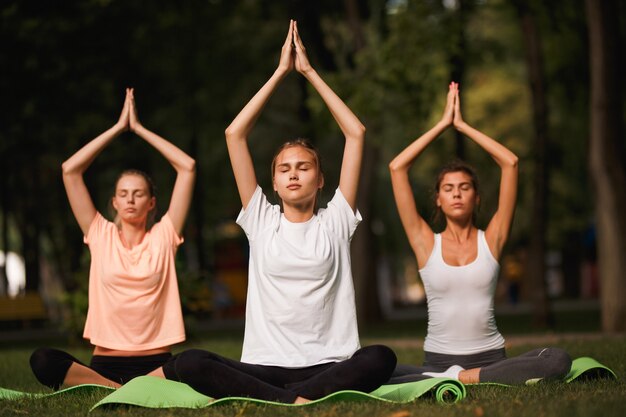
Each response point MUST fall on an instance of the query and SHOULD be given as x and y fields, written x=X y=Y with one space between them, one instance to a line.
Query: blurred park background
x=541 y=77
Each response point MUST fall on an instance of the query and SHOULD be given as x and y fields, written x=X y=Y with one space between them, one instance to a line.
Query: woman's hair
x=308 y=146
x=151 y=191
x=456 y=165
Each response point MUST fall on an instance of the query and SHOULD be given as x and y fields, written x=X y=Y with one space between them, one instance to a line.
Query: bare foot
x=301 y=400
x=470 y=376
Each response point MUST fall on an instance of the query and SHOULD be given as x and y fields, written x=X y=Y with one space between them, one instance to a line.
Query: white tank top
x=460 y=302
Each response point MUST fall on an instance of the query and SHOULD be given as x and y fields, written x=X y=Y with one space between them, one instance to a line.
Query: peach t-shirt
x=133 y=293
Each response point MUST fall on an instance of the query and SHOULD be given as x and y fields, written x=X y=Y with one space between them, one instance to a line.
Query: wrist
x=461 y=126
x=119 y=127
x=137 y=128
x=443 y=124
x=308 y=72
x=281 y=72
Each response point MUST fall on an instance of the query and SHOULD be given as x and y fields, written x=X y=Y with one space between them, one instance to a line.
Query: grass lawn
x=591 y=398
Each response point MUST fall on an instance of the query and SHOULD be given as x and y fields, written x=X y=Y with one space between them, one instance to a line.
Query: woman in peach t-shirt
x=134 y=311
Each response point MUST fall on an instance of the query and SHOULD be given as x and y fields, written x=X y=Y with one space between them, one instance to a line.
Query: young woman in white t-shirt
x=134 y=311
x=301 y=340
x=459 y=266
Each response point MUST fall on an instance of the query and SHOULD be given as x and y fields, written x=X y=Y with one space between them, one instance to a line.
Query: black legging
x=218 y=377
x=50 y=366
x=543 y=363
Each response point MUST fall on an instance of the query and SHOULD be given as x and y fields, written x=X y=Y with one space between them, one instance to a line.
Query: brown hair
x=151 y=191
x=456 y=165
x=306 y=144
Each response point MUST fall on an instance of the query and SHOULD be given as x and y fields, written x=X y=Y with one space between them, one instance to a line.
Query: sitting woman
x=134 y=311
x=301 y=338
x=459 y=267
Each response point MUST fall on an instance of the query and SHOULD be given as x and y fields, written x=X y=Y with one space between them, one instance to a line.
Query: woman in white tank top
x=460 y=266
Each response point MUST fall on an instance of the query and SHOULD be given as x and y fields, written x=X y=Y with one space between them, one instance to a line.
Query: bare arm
x=184 y=165
x=238 y=131
x=499 y=226
x=73 y=169
x=419 y=233
x=350 y=125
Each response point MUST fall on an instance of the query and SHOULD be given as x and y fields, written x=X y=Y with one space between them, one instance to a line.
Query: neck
x=132 y=234
x=459 y=231
x=298 y=213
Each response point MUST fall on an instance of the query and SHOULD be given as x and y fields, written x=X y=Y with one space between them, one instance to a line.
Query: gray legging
x=544 y=363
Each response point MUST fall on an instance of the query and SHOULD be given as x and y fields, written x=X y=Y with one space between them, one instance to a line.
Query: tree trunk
x=363 y=250
x=606 y=159
x=456 y=59
x=536 y=276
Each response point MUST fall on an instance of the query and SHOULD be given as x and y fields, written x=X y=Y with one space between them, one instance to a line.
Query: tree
x=536 y=79
x=606 y=158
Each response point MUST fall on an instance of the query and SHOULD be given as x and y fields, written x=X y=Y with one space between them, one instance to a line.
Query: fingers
x=286 y=55
x=297 y=40
x=289 y=39
x=458 y=119
x=123 y=121
x=302 y=61
x=132 y=111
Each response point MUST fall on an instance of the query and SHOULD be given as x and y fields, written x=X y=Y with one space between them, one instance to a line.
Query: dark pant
x=544 y=363
x=219 y=377
x=50 y=366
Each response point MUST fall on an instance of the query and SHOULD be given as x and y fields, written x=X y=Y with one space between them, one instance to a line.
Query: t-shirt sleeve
x=339 y=216
x=97 y=229
x=166 y=232
x=259 y=214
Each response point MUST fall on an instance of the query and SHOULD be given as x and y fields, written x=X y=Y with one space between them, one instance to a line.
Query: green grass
x=605 y=398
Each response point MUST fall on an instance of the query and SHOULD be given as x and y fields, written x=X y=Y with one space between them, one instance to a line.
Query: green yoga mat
x=147 y=391
x=588 y=368
x=154 y=392
x=8 y=394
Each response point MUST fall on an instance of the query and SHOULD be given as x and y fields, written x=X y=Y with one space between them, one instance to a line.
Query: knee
x=558 y=362
x=381 y=357
x=50 y=366
x=190 y=362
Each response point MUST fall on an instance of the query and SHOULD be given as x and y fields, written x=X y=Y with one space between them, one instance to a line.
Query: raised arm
x=184 y=165
x=238 y=131
x=419 y=233
x=499 y=226
x=73 y=169
x=350 y=125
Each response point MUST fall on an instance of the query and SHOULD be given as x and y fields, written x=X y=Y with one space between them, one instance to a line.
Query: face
x=132 y=199
x=457 y=196
x=296 y=176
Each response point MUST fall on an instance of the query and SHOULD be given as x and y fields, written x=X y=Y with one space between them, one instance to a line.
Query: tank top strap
x=435 y=255
x=483 y=247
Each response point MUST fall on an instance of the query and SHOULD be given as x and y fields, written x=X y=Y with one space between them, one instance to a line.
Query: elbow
x=228 y=133
x=67 y=169
x=359 y=131
x=513 y=161
x=231 y=133
x=356 y=134
x=394 y=166
x=190 y=166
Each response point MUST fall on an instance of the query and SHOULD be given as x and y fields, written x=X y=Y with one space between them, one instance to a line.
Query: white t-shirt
x=300 y=309
x=460 y=302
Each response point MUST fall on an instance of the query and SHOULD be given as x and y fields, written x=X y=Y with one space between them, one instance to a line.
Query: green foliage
x=195 y=64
